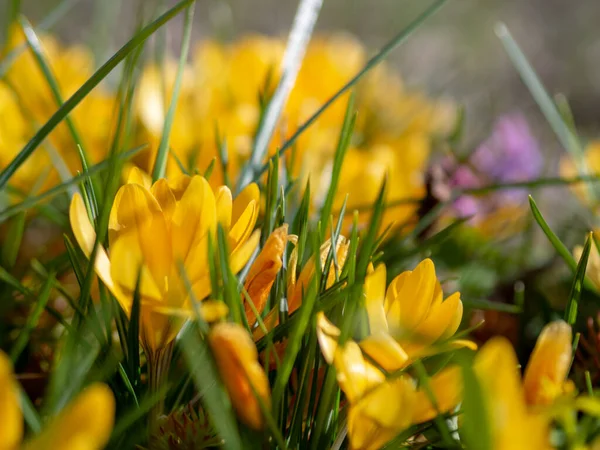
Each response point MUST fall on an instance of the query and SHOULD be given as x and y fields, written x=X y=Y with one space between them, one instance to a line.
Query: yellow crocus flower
x=591 y=162
x=263 y=271
x=512 y=425
x=548 y=366
x=592 y=270
x=85 y=424
x=237 y=361
x=152 y=230
x=380 y=407
x=409 y=319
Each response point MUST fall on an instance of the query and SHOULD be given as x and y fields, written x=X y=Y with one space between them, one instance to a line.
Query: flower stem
x=159 y=361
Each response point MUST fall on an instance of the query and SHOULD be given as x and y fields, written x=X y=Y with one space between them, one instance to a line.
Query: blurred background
x=455 y=53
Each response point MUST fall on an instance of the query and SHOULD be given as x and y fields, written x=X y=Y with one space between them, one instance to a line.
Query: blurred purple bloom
x=510 y=154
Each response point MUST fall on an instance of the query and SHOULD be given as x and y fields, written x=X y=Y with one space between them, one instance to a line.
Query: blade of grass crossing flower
x=575 y=294
x=338 y=160
x=271 y=200
x=30 y=414
x=82 y=92
x=33 y=319
x=475 y=425
x=37 y=50
x=133 y=336
x=380 y=56
x=299 y=37
x=160 y=164
x=12 y=241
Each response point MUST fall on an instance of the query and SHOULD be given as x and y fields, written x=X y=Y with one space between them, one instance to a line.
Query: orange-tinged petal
x=224 y=206
x=237 y=361
x=87 y=419
x=328 y=335
x=263 y=272
x=375 y=296
x=249 y=193
x=549 y=364
x=11 y=420
x=446 y=387
x=385 y=351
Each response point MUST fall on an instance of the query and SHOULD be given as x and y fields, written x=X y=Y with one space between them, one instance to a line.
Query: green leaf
x=556 y=242
x=12 y=241
x=492 y=306
x=380 y=56
x=299 y=37
x=475 y=427
x=160 y=164
x=575 y=294
x=82 y=92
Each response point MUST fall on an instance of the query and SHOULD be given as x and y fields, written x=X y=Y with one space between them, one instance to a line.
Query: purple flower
x=510 y=154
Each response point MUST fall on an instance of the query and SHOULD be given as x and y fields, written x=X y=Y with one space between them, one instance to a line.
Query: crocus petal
x=242 y=227
x=237 y=361
x=86 y=236
x=328 y=335
x=137 y=176
x=165 y=198
x=446 y=387
x=242 y=255
x=11 y=424
x=195 y=215
x=88 y=419
x=249 y=193
x=375 y=296
x=549 y=364
x=381 y=414
x=385 y=351
x=355 y=375
x=224 y=206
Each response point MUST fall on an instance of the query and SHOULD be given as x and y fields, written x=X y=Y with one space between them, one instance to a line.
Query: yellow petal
x=86 y=236
x=138 y=213
x=242 y=227
x=137 y=176
x=408 y=303
x=195 y=215
x=237 y=361
x=385 y=351
x=88 y=419
x=249 y=193
x=242 y=255
x=165 y=198
x=375 y=296
x=11 y=420
x=328 y=335
x=381 y=414
x=549 y=364
x=355 y=375
x=446 y=387
x=224 y=206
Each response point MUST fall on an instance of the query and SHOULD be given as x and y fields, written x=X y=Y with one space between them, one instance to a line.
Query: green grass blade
x=383 y=53
x=30 y=414
x=33 y=319
x=338 y=160
x=12 y=241
x=575 y=294
x=299 y=37
x=82 y=92
x=160 y=164
x=560 y=248
x=475 y=427
x=565 y=135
